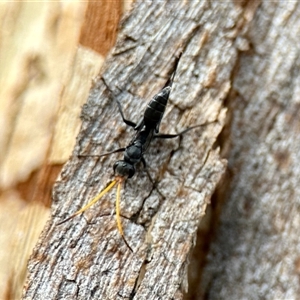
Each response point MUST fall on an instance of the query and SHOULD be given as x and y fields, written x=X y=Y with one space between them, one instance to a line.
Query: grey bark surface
x=85 y=258
x=255 y=253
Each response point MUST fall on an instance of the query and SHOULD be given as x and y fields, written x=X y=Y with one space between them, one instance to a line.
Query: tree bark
x=85 y=258
x=255 y=251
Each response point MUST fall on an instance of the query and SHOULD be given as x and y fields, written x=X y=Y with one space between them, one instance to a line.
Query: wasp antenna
x=93 y=201
x=119 y=224
x=68 y=219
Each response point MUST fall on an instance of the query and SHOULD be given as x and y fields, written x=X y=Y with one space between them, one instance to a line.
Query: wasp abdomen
x=156 y=107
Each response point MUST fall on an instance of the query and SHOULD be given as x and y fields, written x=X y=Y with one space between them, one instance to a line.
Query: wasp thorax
x=133 y=153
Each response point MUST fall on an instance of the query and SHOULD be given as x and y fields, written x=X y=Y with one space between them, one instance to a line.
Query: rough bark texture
x=255 y=254
x=86 y=258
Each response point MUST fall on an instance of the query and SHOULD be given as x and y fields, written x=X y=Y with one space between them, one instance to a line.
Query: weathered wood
x=86 y=258
x=38 y=43
x=255 y=254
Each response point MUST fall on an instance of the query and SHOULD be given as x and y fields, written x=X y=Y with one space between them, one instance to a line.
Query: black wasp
x=146 y=130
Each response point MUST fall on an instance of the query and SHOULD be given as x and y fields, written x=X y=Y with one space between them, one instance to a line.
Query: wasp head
x=123 y=168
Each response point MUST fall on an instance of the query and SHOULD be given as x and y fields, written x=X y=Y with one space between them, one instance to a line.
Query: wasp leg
x=171 y=136
x=147 y=171
x=127 y=122
x=104 y=154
